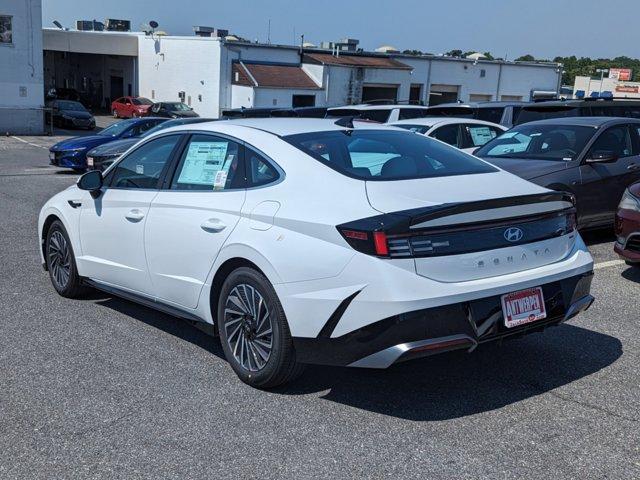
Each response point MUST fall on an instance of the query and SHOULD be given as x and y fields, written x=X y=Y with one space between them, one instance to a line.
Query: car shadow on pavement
x=177 y=327
x=632 y=273
x=442 y=387
x=596 y=237
x=458 y=384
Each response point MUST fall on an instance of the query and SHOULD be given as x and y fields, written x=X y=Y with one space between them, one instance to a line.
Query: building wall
x=241 y=96
x=167 y=66
x=21 y=81
x=618 y=89
x=281 y=97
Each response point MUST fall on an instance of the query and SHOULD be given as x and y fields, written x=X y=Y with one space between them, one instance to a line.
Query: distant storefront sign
x=628 y=88
x=620 y=74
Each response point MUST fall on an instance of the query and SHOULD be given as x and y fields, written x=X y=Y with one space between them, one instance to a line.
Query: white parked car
x=379 y=112
x=315 y=241
x=463 y=133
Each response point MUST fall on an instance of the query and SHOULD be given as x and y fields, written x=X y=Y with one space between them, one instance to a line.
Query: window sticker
x=481 y=135
x=206 y=163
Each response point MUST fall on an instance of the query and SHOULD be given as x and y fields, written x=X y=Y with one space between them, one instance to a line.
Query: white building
x=608 y=87
x=21 y=87
x=213 y=74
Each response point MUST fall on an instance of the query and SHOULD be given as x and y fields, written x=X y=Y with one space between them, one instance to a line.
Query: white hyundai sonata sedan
x=320 y=241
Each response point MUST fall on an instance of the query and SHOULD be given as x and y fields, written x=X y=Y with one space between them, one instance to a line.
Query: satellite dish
x=58 y=24
x=153 y=24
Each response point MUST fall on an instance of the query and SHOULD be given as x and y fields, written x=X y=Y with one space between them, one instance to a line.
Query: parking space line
x=28 y=143
x=610 y=263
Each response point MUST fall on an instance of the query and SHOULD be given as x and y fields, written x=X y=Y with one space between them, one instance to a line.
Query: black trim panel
x=480 y=320
x=147 y=302
x=335 y=317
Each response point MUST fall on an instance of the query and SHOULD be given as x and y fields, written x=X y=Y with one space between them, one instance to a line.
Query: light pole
x=601 y=71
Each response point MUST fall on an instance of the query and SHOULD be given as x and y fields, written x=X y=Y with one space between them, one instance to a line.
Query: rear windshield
x=380 y=116
x=532 y=114
x=386 y=155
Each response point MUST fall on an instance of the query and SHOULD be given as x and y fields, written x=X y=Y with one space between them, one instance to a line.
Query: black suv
x=502 y=113
x=596 y=107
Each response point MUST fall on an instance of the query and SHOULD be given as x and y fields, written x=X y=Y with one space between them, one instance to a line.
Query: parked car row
x=132 y=107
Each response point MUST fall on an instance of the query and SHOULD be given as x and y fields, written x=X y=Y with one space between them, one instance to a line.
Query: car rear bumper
x=628 y=235
x=428 y=331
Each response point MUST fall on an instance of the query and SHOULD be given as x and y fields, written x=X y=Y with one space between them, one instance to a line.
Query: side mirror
x=602 y=156
x=92 y=182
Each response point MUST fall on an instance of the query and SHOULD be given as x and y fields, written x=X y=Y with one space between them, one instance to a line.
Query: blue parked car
x=72 y=153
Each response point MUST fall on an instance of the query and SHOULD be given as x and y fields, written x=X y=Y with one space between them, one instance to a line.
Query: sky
x=506 y=28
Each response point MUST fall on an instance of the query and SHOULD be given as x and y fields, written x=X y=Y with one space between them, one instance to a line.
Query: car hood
x=529 y=168
x=89 y=141
x=399 y=195
x=117 y=147
x=76 y=114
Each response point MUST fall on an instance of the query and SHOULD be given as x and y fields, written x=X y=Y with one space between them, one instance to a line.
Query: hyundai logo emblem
x=513 y=234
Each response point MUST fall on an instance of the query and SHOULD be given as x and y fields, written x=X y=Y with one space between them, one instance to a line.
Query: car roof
x=583 y=121
x=370 y=106
x=487 y=104
x=282 y=126
x=431 y=121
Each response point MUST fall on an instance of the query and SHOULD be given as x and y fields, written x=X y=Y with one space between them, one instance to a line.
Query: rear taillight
x=371 y=243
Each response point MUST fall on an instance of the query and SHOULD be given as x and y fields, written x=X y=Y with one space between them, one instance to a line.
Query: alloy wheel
x=248 y=327
x=59 y=259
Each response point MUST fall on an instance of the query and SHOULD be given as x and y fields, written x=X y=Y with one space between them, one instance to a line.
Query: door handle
x=633 y=166
x=213 y=225
x=134 y=215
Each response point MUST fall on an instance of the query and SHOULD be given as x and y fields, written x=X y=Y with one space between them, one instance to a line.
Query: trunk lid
x=464 y=228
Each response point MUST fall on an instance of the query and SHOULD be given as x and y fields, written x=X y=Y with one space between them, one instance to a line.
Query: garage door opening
x=443 y=94
x=93 y=79
x=372 y=93
x=303 y=101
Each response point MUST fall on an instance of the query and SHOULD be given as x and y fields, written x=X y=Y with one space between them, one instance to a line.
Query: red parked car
x=129 y=107
x=628 y=226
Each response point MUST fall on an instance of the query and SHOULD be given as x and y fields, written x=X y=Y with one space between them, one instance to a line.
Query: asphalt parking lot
x=103 y=388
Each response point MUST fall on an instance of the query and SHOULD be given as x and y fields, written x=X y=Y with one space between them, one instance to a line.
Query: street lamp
x=601 y=71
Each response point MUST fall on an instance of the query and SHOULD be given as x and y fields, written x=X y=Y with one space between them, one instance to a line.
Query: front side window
x=541 y=142
x=142 y=167
x=209 y=163
x=386 y=154
x=6 y=29
x=613 y=141
x=449 y=134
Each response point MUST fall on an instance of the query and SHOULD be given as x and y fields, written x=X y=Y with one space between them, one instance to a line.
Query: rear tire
x=254 y=331
x=61 y=262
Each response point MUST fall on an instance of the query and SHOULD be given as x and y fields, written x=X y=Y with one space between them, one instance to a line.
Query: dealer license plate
x=524 y=306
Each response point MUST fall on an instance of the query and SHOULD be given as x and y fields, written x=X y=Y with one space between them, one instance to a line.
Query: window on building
x=6 y=29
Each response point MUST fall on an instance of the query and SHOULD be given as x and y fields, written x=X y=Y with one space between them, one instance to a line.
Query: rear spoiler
x=402 y=221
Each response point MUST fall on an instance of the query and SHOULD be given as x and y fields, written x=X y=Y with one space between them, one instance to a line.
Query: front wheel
x=254 y=332
x=61 y=262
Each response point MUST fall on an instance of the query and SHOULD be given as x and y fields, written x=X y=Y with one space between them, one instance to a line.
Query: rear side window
x=209 y=163
x=408 y=113
x=386 y=155
x=493 y=115
x=481 y=134
x=259 y=170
